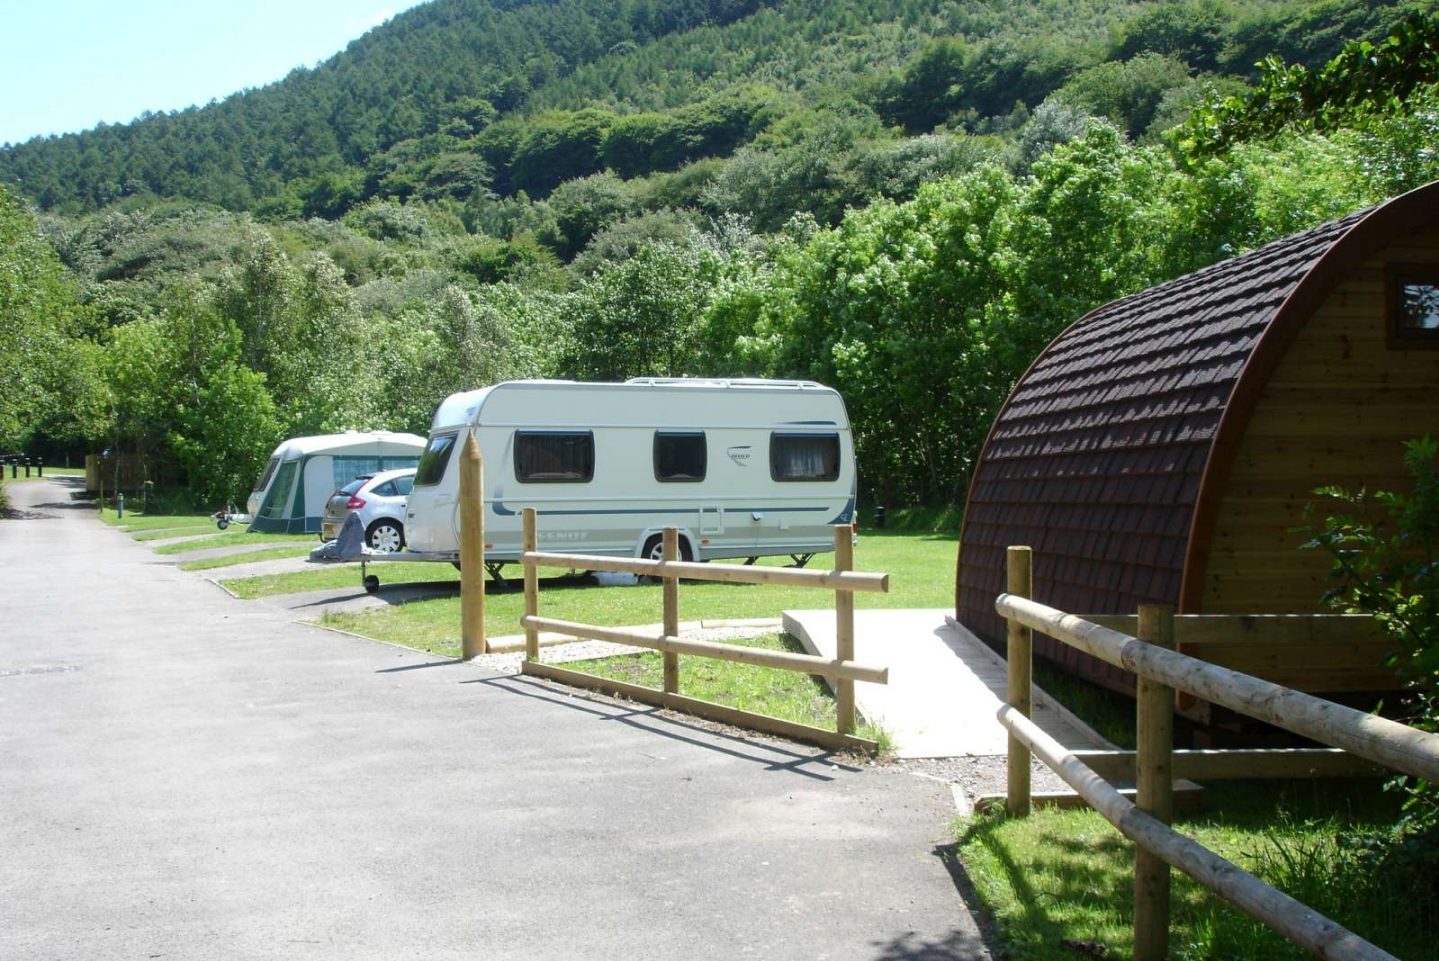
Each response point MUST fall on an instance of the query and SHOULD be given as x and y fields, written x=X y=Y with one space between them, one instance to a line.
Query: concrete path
x=187 y=775
x=944 y=685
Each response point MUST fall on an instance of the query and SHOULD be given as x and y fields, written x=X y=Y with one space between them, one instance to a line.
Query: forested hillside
x=904 y=199
x=459 y=96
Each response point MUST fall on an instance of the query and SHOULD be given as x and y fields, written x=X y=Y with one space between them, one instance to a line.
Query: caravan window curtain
x=804 y=457
x=554 y=456
x=680 y=456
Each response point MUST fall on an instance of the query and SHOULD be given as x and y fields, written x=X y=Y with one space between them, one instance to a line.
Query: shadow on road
x=655 y=720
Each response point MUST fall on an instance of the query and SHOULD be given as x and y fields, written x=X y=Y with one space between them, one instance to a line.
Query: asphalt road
x=185 y=775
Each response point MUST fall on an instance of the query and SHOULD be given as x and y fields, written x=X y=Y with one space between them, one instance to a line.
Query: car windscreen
x=353 y=487
x=434 y=460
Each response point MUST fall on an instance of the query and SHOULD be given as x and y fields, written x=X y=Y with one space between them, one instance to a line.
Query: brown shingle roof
x=1097 y=459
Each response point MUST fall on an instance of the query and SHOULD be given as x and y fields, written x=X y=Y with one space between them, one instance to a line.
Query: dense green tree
x=622 y=239
x=298 y=329
x=1129 y=93
x=39 y=317
x=221 y=420
x=640 y=316
x=1363 y=77
x=582 y=208
x=929 y=89
x=1193 y=32
x=559 y=146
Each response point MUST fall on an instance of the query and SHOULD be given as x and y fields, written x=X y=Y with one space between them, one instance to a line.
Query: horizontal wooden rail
x=1240 y=764
x=833 y=740
x=1378 y=739
x=727 y=573
x=1333 y=653
x=1286 y=629
x=842 y=669
x=1299 y=923
x=784 y=660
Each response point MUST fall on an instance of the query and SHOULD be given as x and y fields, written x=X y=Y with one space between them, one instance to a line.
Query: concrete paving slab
x=191 y=776
x=945 y=685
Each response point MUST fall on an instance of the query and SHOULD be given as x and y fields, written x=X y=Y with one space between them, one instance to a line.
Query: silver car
x=379 y=499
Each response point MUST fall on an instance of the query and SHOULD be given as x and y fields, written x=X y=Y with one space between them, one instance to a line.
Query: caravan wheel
x=655 y=549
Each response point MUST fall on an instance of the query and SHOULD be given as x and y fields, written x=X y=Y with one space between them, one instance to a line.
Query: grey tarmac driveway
x=185 y=775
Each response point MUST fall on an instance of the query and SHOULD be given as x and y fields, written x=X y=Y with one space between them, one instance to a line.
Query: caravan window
x=266 y=474
x=679 y=456
x=804 y=457
x=554 y=456
x=434 y=460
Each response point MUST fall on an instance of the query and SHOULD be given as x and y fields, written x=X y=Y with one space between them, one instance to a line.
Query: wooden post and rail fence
x=843 y=670
x=1161 y=672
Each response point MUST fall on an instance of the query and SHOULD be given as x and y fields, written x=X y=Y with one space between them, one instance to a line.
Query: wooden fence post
x=1154 y=788
x=532 y=584
x=472 y=550
x=1019 y=655
x=672 y=611
x=844 y=629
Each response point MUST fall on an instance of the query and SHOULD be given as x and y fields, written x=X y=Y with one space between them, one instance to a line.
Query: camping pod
x=290 y=495
x=1166 y=447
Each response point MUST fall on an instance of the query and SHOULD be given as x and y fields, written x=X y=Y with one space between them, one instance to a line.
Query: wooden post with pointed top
x=472 y=550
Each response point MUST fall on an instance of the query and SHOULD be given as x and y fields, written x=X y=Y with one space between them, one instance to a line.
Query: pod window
x=1414 y=306
x=680 y=456
x=804 y=457
x=554 y=457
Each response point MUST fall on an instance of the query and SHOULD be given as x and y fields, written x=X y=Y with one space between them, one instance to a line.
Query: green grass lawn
x=247 y=557
x=921 y=569
x=236 y=537
x=164 y=533
x=1065 y=878
x=139 y=523
x=788 y=695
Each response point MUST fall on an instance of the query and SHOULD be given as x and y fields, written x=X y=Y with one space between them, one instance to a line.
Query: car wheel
x=386 y=535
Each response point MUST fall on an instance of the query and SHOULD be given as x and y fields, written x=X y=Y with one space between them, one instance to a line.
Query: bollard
x=879 y=517
x=27 y=467
x=39 y=467
x=120 y=506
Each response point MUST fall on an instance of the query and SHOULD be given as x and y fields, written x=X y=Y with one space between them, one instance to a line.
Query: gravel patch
x=979 y=776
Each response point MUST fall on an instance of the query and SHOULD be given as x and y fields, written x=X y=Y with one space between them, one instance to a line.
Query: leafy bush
x=1389 y=568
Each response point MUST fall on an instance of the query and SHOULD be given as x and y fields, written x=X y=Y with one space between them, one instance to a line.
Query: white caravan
x=743 y=468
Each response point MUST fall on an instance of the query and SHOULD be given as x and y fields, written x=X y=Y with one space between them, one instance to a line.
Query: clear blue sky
x=66 y=65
